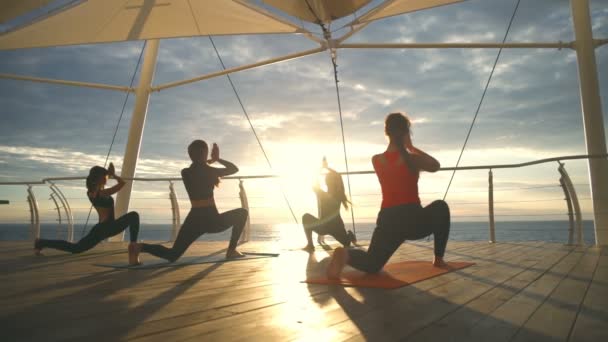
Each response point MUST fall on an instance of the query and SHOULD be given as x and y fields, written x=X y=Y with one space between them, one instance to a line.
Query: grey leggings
x=400 y=223
x=333 y=227
x=98 y=233
x=198 y=222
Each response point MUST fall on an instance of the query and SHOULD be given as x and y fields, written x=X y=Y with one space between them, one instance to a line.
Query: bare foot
x=309 y=248
x=233 y=253
x=37 y=249
x=134 y=250
x=337 y=263
x=438 y=262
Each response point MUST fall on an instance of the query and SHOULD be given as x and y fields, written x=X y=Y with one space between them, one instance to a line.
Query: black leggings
x=333 y=227
x=98 y=233
x=400 y=223
x=198 y=222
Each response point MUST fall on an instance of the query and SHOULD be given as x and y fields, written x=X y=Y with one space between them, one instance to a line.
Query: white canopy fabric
x=396 y=7
x=11 y=9
x=103 y=21
x=326 y=10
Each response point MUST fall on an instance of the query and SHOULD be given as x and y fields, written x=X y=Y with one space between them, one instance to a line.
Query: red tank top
x=399 y=184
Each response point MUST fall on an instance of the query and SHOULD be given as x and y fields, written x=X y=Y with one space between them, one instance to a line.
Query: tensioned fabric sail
x=397 y=7
x=103 y=21
x=11 y=9
x=326 y=10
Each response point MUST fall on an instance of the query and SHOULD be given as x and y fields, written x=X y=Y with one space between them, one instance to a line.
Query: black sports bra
x=102 y=201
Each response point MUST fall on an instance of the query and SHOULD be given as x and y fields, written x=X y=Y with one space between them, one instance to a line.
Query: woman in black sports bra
x=199 y=180
x=108 y=226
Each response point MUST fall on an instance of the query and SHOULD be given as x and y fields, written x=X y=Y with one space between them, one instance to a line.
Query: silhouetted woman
x=401 y=216
x=330 y=222
x=108 y=226
x=199 y=180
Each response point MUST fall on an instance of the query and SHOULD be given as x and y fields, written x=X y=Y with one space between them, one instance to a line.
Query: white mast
x=142 y=97
x=595 y=138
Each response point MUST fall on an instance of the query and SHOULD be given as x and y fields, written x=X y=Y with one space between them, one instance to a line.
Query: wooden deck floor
x=523 y=291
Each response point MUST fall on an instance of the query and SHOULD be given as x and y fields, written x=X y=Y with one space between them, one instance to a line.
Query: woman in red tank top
x=401 y=215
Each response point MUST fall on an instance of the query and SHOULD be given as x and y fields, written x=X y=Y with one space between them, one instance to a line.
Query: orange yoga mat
x=393 y=275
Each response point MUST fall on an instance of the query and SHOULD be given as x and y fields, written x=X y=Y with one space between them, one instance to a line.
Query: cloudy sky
x=531 y=111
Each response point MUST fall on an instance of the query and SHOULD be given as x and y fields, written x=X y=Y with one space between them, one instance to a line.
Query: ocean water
x=552 y=231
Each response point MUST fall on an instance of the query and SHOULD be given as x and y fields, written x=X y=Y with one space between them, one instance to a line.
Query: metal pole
x=174 y=211
x=575 y=204
x=491 y=206
x=64 y=82
x=320 y=237
x=240 y=68
x=244 y=204
x=595 y=138
x=538 y=45
x=58 y=215
x=67 y=208
x=570 y=213
x=142 y=97
x=34 y=214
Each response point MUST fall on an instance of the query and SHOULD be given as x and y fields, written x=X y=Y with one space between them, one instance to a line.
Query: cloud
x=76 y=163
x=531 y=108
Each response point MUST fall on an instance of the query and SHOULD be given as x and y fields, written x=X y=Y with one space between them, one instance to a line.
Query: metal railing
x=572 y=201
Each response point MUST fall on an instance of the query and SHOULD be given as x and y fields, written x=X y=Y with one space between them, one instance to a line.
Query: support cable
x=124 y=105
x=504 y=39
x=333 y=54
x=251 y=126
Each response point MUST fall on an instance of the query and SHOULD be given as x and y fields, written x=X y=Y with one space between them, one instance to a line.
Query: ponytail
x=335 y=187
x=398 y=141
x=95 y=173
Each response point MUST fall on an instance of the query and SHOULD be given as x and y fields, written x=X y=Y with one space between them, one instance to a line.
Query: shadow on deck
x=519 y=291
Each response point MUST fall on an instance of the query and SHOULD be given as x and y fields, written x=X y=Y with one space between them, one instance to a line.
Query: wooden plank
x=286 y=325
x=592 y=319
x=504 y=322
x=553 y=320
x=223 y=328
x=457 y=326
x=257 y=299
x=430 y=307
x=211 y=301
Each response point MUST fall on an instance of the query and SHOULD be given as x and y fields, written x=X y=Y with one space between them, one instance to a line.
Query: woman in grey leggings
x=199 y=180
x=401 y=215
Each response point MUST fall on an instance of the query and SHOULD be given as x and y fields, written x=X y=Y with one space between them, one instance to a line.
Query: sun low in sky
x=531 y=111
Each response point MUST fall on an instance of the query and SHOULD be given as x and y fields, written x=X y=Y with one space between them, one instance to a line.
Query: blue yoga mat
x=188 y=260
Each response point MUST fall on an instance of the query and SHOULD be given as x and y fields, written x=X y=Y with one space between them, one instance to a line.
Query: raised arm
x=422 y=160
x=115 y=188
x=229 y=168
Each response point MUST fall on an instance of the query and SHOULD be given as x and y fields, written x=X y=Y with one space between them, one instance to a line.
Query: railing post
x=491 y=206
x=176 y=221
x=570 y=213
x=575 y=204
x=246 y=234
x=67 y=208
x=58 y=214
x=34 y=215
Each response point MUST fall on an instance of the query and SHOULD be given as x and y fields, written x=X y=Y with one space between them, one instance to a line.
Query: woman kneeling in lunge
x=199 y=180
x=330 y=222
x=108 y=226
x=401 y=216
